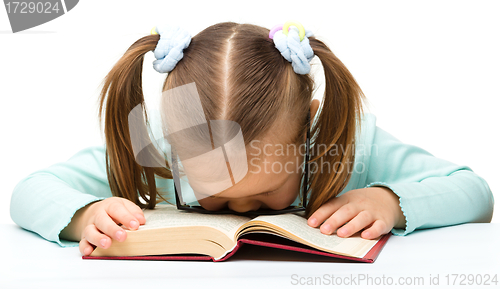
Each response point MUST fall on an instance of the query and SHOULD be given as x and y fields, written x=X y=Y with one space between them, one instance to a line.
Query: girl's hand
x=102 y=219
x=375 y=209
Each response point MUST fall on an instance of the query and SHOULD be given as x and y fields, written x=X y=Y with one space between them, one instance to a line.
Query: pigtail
x=121 y=92
x=334 y=132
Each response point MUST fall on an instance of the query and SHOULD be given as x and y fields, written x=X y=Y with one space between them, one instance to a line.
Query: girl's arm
x=432 y=192
x=45 y=201
x=401 y=188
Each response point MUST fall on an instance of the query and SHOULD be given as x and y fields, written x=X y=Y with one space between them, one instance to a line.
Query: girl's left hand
x=375 y=209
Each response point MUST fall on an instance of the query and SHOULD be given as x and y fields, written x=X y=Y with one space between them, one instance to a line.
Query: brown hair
x=240 y=76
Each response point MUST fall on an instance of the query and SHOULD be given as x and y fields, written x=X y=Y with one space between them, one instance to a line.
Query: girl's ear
x=314 y=108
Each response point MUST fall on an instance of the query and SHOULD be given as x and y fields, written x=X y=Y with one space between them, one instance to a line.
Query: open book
x=182 y=235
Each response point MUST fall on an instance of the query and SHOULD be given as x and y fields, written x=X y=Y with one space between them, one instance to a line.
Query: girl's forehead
x=256 y=182
x=263 y=150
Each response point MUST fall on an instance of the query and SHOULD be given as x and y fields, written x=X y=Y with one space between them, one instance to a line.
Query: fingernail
x=327 y=229
x=87 y=251
x=104 y=241
x=313 y=222
x=342 y=232
x=119 y=235
x=133 y=224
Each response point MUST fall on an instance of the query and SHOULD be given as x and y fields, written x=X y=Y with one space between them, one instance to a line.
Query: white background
x=430 y=70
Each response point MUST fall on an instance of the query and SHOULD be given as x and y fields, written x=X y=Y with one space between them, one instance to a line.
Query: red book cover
x=263 y=240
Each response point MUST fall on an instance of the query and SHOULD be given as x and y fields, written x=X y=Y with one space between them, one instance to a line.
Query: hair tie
x=168 y=51
x=293 y=44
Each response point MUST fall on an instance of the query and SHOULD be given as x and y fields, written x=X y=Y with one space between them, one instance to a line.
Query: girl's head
x=241 y=76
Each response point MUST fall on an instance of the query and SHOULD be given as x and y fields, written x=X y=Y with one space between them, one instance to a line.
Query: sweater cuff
x=52 y=209
x=409 y=223
x=84 y=200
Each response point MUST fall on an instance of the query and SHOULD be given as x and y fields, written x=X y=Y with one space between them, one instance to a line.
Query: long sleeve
x=432 y=192
x=45 y=201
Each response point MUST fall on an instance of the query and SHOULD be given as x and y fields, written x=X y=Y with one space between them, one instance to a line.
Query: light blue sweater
x=432 y=192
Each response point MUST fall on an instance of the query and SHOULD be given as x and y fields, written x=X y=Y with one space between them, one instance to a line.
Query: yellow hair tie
x=287 y=24
x=153 y=31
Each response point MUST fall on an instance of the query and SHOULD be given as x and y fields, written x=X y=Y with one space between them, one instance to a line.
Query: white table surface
x=29 y=261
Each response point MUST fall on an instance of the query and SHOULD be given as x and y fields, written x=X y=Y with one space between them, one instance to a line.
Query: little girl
x=361 y=177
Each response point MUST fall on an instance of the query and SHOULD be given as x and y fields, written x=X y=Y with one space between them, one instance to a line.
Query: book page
x=165 y=216
x=297 y=225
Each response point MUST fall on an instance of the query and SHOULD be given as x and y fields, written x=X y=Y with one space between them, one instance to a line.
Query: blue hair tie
x=168 y=51
x=293 y=49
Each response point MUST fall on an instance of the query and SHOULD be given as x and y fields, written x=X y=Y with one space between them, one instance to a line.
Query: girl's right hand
x=101 y=227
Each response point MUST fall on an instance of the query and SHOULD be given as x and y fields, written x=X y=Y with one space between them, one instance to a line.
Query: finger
x=85 y=247
x=120 y=214
x=135 y=210
x=108 y=226
x=360 y=221
x=325 y=211
x=339 y=218
x=96 y=238
x=374 y=231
